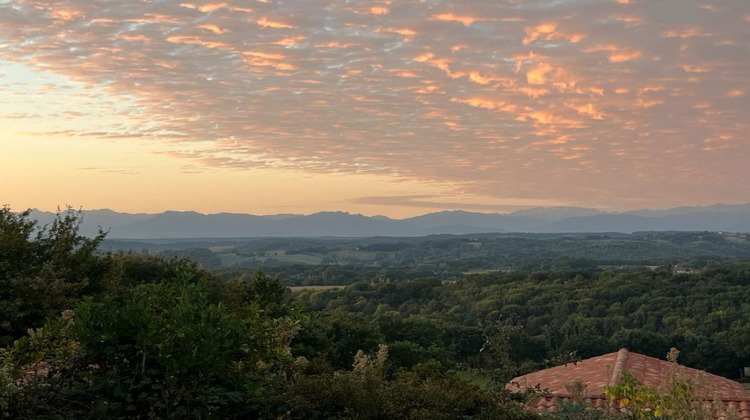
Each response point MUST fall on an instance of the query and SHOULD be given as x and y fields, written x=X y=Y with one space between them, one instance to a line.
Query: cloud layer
x=595 y=102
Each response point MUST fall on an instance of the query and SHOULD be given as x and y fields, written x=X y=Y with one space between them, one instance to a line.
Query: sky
x=375 y=107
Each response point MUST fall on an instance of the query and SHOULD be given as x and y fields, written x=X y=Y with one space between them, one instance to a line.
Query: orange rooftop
x=599 y=372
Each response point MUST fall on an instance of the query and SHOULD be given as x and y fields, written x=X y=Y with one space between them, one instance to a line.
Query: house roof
x=606 y=370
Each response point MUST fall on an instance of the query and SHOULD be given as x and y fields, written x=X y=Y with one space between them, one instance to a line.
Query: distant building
x=599 y=372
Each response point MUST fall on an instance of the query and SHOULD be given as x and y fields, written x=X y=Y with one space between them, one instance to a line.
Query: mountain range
x=176 y=224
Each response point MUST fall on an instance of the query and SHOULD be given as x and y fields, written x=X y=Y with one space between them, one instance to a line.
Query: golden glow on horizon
x=155 y=185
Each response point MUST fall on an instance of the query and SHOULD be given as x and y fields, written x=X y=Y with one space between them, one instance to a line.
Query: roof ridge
x=622 y=357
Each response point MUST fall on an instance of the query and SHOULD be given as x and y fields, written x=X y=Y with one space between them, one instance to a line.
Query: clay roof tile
x=606 y=370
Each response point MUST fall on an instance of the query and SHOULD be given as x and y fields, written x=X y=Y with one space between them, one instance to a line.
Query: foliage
x=158 y=350
x=8 y=388
x=341 y=261
x=365 y=392
x=678 y=398
x=641 y=401
x=264 y=291
x=509 y=352
x=139 y=336
x=43 y=270
x=336 y=337
x=554 y=314
x=579 y=411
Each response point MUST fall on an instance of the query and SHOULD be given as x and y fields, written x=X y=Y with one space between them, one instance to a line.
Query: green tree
x=365 y=392
x=163 y=350
x=43 y=270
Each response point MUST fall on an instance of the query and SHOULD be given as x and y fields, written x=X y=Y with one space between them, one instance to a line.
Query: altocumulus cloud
x=573 y=99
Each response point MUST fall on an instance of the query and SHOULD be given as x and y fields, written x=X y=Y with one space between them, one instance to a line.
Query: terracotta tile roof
x=606 y=370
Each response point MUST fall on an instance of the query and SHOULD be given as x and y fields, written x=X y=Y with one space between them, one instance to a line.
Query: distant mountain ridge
x=189 y=224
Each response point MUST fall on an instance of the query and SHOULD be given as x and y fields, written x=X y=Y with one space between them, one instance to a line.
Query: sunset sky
x=375 y=107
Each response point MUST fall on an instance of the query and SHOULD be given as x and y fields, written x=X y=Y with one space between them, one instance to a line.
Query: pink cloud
x=407 y=89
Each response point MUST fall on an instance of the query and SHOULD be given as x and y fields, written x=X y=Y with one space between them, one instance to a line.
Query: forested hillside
x=87 y=334
x=555 y=314
x=341 y=261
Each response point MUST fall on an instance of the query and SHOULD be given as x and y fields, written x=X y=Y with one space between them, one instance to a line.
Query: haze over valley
x=173 y=224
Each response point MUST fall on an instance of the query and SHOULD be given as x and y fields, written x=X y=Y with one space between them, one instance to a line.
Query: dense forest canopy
x=89 y=334
x=705 y=314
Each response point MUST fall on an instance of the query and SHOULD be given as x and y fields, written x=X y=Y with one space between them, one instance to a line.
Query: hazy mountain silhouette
x=92 y=219
x=716 y=208
x=556 y=213
x=188 y=224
